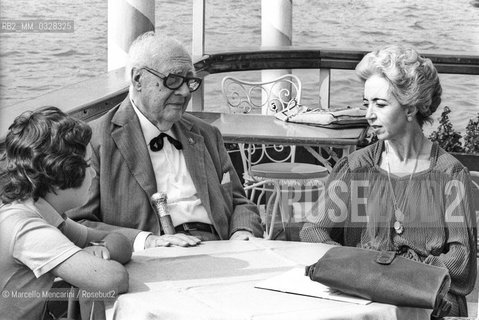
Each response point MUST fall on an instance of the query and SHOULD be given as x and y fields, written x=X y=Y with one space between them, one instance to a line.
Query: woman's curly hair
x=414 y=79
x=44 y=149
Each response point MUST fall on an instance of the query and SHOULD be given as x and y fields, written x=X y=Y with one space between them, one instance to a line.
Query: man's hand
x=242 y=235
x=178 y=239
x=98 y=251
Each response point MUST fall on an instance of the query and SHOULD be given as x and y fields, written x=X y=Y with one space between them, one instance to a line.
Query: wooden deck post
x=127 y=19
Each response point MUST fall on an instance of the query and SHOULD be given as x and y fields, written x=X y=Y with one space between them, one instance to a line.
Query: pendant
x=398 y=227
x=399 y=215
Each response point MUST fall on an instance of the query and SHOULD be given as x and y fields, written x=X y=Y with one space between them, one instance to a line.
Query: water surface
x=35 y=63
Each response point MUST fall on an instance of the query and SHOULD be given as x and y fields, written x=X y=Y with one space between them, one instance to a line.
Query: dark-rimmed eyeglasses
x=174 y=81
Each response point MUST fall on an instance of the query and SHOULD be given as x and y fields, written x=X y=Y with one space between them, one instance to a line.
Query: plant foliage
x=445 y=135
x=471 y=139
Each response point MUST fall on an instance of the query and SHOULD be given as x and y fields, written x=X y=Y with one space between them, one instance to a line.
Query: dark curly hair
x=44 y=149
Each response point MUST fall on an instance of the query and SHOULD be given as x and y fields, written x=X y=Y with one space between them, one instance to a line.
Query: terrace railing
x=91 y=98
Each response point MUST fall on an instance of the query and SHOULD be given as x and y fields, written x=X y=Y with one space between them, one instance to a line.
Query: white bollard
x=127 y=19
x=276 y=30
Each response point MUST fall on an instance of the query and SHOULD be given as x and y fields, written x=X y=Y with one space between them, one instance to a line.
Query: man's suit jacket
x=120 y=193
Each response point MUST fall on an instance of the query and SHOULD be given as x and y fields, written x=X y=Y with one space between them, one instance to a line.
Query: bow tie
x=156 y=144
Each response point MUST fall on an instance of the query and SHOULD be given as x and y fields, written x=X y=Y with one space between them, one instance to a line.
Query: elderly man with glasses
x=148 y=144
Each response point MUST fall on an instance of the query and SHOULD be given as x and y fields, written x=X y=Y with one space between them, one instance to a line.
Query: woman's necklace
x=398 y=214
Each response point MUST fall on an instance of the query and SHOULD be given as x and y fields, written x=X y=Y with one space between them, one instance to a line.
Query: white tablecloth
x=216 y=281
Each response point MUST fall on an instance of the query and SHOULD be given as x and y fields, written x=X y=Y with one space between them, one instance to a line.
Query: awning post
x=127 y=19
x=276 y=30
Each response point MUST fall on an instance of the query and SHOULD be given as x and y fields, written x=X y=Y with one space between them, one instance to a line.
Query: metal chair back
x=263 y=97
x=266 y=97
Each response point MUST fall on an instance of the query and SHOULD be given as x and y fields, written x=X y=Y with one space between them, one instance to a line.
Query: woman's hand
x=242 y=235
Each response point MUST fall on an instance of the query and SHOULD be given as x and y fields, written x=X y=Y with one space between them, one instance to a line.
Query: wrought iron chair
x=271 y=168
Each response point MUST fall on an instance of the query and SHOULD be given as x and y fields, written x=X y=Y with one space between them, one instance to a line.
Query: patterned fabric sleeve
x=460 y=256
x=326 y=222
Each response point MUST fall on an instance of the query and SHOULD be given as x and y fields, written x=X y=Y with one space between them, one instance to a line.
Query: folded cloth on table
x=338 y=117
x=381 y=276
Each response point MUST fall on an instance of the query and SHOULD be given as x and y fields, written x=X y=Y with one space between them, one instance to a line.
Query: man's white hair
x=154 y=51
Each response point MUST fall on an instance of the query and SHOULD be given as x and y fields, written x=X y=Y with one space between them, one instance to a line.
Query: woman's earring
x=409 y=118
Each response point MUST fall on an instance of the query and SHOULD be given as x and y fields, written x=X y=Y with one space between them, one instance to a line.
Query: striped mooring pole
x=127 y=19
x=276 y=30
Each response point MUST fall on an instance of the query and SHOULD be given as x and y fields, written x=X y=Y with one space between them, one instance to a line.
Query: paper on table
x=294 y=281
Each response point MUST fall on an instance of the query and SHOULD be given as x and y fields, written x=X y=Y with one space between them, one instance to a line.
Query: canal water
x=32 y=64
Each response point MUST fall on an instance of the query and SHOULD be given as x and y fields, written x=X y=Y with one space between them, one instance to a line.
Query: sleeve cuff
x=241 y=229
x=139 y=243
x=59 y=259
